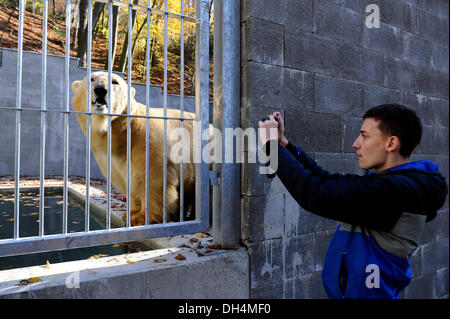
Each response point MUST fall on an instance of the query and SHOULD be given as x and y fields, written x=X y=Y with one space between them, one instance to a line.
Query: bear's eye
x=115 y=82
x=92 y=79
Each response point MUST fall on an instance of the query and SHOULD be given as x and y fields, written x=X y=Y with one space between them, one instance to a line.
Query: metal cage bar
x=43 y=122
x=43 y=242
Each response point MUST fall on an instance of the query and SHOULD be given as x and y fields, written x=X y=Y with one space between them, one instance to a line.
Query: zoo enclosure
x=43 y=242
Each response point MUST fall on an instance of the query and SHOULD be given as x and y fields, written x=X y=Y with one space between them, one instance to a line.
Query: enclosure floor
x=97 y=189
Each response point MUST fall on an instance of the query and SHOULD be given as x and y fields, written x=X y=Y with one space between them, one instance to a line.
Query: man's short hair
x=398 y=120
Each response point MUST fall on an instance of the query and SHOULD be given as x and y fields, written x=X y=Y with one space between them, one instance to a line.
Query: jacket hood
x=425 y=165
x=433 y=185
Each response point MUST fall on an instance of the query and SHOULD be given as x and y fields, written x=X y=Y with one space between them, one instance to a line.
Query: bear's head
x=100 y=97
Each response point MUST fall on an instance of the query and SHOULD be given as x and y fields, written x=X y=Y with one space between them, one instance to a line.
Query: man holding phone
x=382 y=213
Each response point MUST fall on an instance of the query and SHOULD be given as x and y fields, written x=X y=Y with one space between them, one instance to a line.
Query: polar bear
x=99 y=127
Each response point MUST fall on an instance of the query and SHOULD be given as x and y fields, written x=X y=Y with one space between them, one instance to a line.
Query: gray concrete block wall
x=318 y=63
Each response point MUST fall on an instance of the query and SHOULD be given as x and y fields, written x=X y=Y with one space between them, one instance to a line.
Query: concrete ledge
x=137 y=275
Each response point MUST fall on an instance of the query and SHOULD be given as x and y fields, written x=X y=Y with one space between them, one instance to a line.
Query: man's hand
x=267 y=127
x=281 y=138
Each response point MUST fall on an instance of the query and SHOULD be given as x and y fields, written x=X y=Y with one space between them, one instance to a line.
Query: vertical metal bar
x=147 y=101
x=166 y=18
x=130 y=56
x=110 y=64
x=43 y=121
x=202 y=109
x=226 y=115
x=66 y=118
x=182 y=110
x=88 y=118
x=18 y=118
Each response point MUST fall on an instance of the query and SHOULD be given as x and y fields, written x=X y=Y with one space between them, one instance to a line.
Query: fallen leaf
x=180 y=257
x=215 y=246
x=159 y=260
x=116 y=245
x=130 y=261
x=28 y=281
x=200 y=235
x=193 y=240
x=47 y=265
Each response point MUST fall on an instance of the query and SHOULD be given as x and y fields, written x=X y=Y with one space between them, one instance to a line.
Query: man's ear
x=393 y=144
x=75 y=86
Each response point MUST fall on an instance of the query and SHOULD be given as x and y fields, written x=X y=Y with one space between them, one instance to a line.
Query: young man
x=382 y=214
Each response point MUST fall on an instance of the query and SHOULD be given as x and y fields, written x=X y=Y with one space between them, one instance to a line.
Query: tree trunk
x=115 y=21
x=82 y=43
x=82 y=22
x=124 y=54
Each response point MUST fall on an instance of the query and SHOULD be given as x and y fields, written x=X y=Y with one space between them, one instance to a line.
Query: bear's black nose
x=100 y=90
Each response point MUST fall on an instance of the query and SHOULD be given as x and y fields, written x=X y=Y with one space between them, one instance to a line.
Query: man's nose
x=100 y=90
x=356 y=144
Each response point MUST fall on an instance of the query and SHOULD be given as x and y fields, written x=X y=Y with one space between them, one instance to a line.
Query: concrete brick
x=433 y=83
x=266 y=264
x=435 y=256
x=314 y=132
x=399 y=14
x=299 y=14
x=416 y=263
x=432 y=27
x=416 y=50
x=434 y=140
x=358 y=64
x=265 y=217
x=385 y=40
x=296 y=14
x=438 y=8
x=421 y=104
x=323 y=239
x=262 y=41
x=401 y=75
x=442 y=282
x=300 y=256
x=421 y=288
x=350 y=131
x=339 y=163
x=360 y=5
x=437 y=229
x=307 y=287
x=375 y=95
x=441 y=109
x=309 y=52
x=337 y=96
x=336 y=22
x=271 y=86
x=439 y=58
x=299 y=221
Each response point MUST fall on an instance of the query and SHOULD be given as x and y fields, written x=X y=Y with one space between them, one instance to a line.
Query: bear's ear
x=75 y=86
x=133 y=92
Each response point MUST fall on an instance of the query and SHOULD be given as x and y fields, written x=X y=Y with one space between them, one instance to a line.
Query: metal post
x=201 y=111
x=226 y=196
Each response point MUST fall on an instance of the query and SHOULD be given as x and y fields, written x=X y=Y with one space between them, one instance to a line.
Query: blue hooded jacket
x=369 y=207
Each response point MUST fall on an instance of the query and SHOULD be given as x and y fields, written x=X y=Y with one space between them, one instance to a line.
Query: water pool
x=53 y=223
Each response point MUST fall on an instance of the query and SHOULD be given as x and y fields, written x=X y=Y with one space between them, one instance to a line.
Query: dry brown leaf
x=193 y=240
x=180 y=257
x=159 y=260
